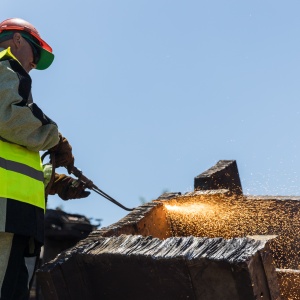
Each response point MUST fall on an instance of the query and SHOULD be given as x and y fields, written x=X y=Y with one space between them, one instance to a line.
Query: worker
x=24 y=131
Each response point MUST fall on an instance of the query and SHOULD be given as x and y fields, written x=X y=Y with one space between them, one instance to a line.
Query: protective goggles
x=35 y=49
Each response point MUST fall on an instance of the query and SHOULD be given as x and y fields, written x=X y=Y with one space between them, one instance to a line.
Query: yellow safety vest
x=21 y=172
x=21 y=175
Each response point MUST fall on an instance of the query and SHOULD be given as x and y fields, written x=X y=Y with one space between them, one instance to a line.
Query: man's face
x=23 y=52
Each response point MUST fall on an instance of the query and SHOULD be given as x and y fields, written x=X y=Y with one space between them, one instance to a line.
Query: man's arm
x=19 y=123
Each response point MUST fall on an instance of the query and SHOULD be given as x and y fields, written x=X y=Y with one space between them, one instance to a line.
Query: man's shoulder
x=9 y=63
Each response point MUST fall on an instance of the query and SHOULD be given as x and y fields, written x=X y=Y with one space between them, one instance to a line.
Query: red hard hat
x=18 y=24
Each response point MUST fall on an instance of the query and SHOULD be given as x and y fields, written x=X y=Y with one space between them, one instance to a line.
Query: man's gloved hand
x=67 y=187
x=63 y=154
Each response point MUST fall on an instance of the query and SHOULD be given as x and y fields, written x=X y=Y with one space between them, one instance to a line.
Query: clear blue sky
x=152 y=93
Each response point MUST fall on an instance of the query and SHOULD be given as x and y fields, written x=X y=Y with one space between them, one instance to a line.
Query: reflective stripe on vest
x=21 y=174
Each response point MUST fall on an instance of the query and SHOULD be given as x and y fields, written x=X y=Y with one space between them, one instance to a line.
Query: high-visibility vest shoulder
x=21 y=172
x=6 y=54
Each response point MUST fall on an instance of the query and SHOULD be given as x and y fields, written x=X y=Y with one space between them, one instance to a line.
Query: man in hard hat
x=24 y=131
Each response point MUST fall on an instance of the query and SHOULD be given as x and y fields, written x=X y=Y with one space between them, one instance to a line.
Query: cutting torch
x=90 y=185
x=81 y=178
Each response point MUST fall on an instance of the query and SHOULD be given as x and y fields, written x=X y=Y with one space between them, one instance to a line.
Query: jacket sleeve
x=21 y=123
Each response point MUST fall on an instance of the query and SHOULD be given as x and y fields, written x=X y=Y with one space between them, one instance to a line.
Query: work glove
x=67 y=187
x=63 y=154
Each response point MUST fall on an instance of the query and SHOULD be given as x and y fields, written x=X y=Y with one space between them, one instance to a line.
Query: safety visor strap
x=5 y=36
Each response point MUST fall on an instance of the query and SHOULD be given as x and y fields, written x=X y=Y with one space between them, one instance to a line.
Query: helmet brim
x=45 y=60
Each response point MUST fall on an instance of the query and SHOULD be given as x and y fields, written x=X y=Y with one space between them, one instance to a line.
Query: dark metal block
x=135 y=267
x=223 y=175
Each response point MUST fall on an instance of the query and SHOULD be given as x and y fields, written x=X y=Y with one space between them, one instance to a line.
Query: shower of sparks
x=220 y=216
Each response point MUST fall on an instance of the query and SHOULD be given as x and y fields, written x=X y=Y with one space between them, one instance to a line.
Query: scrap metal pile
x=213 y=243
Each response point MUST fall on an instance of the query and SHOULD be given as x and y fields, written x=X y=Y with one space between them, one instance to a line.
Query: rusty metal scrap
x=212 y=243
x=136 y=267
